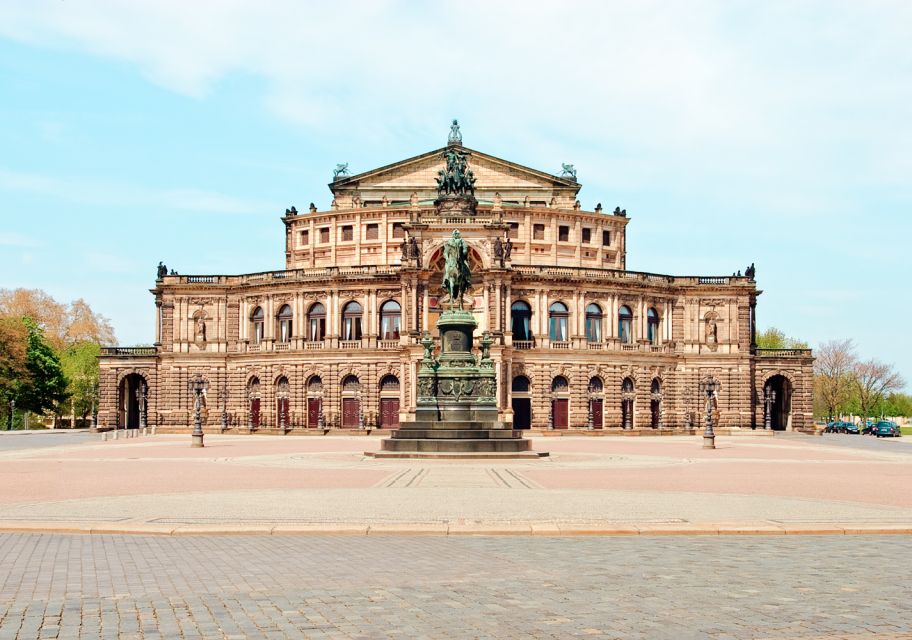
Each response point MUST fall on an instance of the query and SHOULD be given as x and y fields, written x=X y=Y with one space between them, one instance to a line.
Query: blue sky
x=732 y=132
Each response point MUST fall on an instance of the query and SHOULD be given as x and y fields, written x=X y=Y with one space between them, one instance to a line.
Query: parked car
x=887 y=429
x=869 y=429
x=840 y=427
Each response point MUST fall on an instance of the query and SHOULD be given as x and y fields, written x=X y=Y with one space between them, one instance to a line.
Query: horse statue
x=457 y=277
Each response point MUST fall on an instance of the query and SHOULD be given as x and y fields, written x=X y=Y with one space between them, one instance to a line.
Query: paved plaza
x=275 y=485
x=105 y=586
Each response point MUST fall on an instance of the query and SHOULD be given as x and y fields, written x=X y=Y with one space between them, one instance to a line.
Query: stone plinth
x=456 y=412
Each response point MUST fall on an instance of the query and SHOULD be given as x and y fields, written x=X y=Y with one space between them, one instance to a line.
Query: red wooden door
x=313 y=412
x=389 y=413
x=560 y=408
x=350 y=412
x=595 y=405
x=255 y=413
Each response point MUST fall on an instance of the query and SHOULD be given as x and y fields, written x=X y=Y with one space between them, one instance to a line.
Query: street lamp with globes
x=709 y=437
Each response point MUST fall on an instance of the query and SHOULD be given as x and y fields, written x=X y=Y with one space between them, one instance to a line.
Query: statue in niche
x=457 y=277
x=712 y=330
x=414 y=253
x=200 y=332
x=508 y=249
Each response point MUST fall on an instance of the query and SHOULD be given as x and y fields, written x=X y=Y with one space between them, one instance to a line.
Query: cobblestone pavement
x=70 y=586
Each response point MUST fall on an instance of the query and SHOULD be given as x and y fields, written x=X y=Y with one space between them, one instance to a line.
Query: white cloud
x=87 y=191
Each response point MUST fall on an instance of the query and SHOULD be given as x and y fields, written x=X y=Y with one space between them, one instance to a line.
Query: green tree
x=774 y=338
x=897 y=404
x=14 y=372
x=873 y=381
x=80 y=366
x=47 y=386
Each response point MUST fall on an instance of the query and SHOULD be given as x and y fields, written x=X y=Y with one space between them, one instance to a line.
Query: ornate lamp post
x=198 y=385
x=709 y=437
x=141 y=404
x=768 y=400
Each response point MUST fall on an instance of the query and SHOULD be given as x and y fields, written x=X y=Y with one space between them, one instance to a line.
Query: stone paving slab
x=271 y=485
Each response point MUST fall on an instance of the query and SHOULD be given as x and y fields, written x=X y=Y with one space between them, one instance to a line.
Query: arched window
x=390 y=315
x=557 y=322
x=655 y=404
x=596 y=385
x=315 y=402
x=625 y=324
x=315 y=385
x=351 y=321
x=656 y=386
x=652 y=326
x=316 y=322
x=560 y=385
x=389 y=384
x=593 y=323
x=284 y=324
x=257 y=319
x=351 y=384
x=522 y=318
x=520 y=384
x=253 y=399
x=627 y=386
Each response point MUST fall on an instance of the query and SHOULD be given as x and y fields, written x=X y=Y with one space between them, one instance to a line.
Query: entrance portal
x=131 y=398
x=779 y=389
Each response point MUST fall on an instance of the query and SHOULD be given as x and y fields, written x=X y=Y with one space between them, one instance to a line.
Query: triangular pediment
x=419 y=175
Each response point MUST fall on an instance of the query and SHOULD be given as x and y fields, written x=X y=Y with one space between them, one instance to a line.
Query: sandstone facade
x=331 y=341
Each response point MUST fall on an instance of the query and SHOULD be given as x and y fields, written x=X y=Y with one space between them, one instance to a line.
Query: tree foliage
x=46 y=385
x=834 y=369
x=774 y=338
x=49 y=352
x=873 y=380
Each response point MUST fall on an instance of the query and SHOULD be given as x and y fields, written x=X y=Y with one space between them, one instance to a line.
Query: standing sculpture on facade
x=457 y=277
x=568 y=171
x=498 y=251
x=455 y=136
x=162 y=271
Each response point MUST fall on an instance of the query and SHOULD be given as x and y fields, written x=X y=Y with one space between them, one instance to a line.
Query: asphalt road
x=14 y=440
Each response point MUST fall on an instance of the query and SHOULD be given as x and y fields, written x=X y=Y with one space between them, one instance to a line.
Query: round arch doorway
x=777 y=399
x=132 y=396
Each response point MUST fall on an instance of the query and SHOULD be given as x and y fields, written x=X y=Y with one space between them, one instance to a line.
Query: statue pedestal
x=456 y=412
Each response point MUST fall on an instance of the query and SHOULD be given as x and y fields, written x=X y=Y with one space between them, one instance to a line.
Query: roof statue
x=455 y=136
x=457 y=277
x=457 y=179
x=568 y=171
x=341 y=171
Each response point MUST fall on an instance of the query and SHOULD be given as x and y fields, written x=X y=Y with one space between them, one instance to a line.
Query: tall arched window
x=625 y=324
x=316 y=322
x=560 y=403
x=351 y=402
x=283 y=415
x=390 y=317
x=627 y=398
x=557 y=322
x=655 y=403
x=652 y=326
x=257 y=319
x=351 y=321
x=284 y=324
x=253 y=399
x=521 y=313
x=593 y=323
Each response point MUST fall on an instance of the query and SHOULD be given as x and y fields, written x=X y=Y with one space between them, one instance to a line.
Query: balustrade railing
x=595 y=346
x=560 y=345
x=783 y=353
x=388 y=344
x=349 y=344
x=128 y=351
x=311 y=345
x=281 y=346
x=630 y=347
x=523 y=344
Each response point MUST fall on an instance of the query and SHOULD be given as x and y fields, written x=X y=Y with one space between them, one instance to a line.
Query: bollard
x=104 y=437
x=115 y=434
x=144 y=431
x=153 y=430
